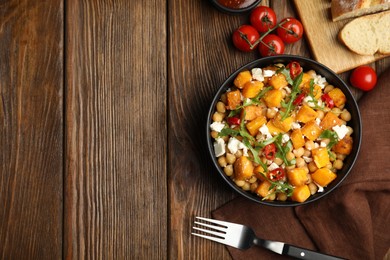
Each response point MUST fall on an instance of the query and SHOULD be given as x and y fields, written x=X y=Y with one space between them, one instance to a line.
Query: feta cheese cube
x=234 y=145
x=219 y=147
x=217 y=126
x=265 y=131
x=257 y=74
x=273 y=166
x=268 y=73
x=341 y=131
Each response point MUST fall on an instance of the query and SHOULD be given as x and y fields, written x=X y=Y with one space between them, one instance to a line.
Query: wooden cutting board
x=321 y=34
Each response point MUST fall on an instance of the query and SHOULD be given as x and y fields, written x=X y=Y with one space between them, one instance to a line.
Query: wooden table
x=102 y=112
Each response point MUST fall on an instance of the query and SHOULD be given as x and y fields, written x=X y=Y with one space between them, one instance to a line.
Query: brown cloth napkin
x=353 y=221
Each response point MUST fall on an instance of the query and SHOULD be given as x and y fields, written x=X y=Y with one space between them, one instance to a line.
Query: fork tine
x=216 y=239
x=222 y=229
x=218 y=234
x=219 y=222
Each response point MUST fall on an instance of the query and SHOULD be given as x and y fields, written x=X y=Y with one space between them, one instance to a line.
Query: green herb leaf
x=294 y=92
x=282 y=150
x=255 y=153
x=228 y=131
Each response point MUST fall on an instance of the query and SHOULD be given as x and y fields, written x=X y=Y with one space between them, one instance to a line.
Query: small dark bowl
x=331 y=78
x=234 y=11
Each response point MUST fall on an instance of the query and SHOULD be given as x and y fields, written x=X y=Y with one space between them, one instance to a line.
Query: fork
x=244 y=237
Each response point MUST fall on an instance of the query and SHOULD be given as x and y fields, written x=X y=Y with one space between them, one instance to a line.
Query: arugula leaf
x=248 y=102
x=286 y=73
x=313 y=100
x=228 y=131
x=282 y=150
x=332 y=136
x=294 y=92
x=255 y=153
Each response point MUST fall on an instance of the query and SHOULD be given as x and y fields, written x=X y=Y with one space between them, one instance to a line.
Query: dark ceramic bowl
x=331 y=78
x=235 y=11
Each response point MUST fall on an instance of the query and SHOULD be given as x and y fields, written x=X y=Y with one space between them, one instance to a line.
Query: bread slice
x=368 y=34
x=343 y=9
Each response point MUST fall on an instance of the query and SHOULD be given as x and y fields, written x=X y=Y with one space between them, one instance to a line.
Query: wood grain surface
x=103 y=109
x=31 y=129
x=116 y=113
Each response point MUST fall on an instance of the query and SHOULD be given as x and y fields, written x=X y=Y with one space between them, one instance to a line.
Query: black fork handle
x=302 y=253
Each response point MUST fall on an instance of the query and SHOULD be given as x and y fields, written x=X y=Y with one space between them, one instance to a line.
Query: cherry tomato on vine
x=245 y=38
x=271 y=45
x=276 y=174
x=364 y=78
x=290 y=30
x=263 y=18
x=270 y=151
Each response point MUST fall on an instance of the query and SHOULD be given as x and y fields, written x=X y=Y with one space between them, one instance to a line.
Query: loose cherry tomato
x=245 y=38
x=328 y=100
x=270 y=151
x=295 y=69
x=271 y=45
x=263 y=18
x=276 y=174
x=364 y=78
x=298 y=100
x=291 y=30
x=233 y=120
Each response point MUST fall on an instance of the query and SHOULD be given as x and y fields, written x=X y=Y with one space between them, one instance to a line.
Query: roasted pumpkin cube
x=338 y=97
x=323 y=176
x=344 y=146
x=320 y=156
x=273 y=98
x=273 y=129
x=284 y=125
x=233 y=99
x=317 y=90
x=263 y=190
x=252 y=89
x=297 y=176
x=297 y=138
x=251 y=112
x=306 y=114
x=311 y=130
x=300 y=193
x=259 y=173
x=305 y=81
x=330 y=120
x=254 y=125
x=243 y=168
x=278 y=81
x=242 y=78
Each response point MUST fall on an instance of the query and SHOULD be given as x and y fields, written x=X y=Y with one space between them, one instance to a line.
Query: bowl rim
x=285 y=58
x=225 y=9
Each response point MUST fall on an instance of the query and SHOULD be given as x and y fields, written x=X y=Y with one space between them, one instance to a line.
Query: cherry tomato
x=328 y=100
x=263 y=18
x=269 y=151
x=233 y=120
x=245 y=38
x=291 y=30
x=295 y=69
x=271 y=45
x=276 y=174
x=363 y=77
x=298 y=100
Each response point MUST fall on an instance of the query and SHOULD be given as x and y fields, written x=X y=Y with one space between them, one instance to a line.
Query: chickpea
x=222 y=161
x=224 y=98
x=329 y=166
x=311 y=73
x=350 y=130
x=307 y=153
x=230 y=158
x=271 y=113
x=239 y=183
x=221 y=107
x=228 y=170
x=306 y=169
x=299 y=152
x=336 y=110
x=320 y=114
x=289 y=168
x=278 y=161
x=254 y=186
x=340 y=156
x=313 y=188
x=238 y=154
x=281 y=197
x=214 y=134
x=218 y=117
x=284 y=93
x=253 y=179
x=290 y=156
x=328 y=88
x=246 y=186
x=309 y=145
x=338 y=164
x=300 y=162
x=272 y=196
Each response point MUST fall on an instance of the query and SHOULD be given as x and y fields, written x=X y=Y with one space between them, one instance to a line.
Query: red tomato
x=263 y=18
x=271 y=45
x=363 y=77
x=276 y=174
x=328 y=100
x=298 y=100
x=291 y=30
x=233 y=120
x=245 y=38
x=295 y=69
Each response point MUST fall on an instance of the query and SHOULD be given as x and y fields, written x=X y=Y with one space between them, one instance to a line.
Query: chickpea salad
x=281 y=132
